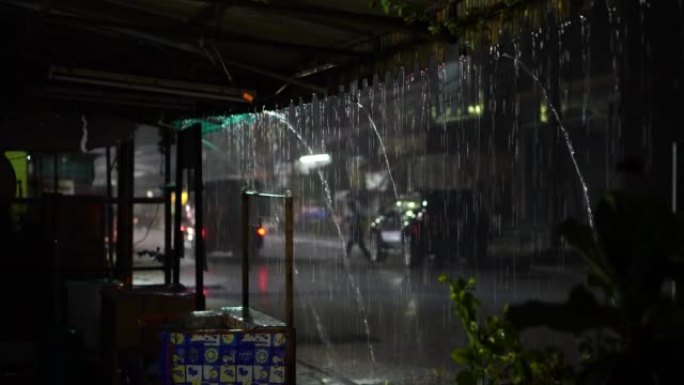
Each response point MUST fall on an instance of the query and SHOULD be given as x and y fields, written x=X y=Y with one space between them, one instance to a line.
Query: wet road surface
x=369 y=323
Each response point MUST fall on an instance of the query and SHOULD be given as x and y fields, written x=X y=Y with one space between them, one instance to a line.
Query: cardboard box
x=220 y=348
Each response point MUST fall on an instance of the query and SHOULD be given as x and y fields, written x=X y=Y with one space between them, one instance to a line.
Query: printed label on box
x=223 y=358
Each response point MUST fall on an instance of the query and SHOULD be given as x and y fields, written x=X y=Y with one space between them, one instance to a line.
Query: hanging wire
x=281 y=89
x=214 y=57
x=300 y=74
x=209 y=56
x=218 y=54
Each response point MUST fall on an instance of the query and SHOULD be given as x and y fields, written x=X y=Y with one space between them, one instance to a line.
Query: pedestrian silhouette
x=355 y=229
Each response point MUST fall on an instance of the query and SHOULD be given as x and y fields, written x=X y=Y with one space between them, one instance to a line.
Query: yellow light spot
x=184 y=197
x=543 y=113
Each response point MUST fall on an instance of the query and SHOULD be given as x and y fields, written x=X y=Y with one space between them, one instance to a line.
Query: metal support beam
x=149 y=84
x=289 y=289
x=200 y=263
x=97 y=96
x=110 y=210
x=245 y=257
x=106 y=25
x=310 y=11
x=178 y=208
x=168 y=224
x=290 y=352
x=124 y=249
x=191 y=48
x=55 y=173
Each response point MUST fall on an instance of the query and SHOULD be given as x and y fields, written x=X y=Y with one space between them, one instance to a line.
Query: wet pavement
x=353 y=372
x=411 y=328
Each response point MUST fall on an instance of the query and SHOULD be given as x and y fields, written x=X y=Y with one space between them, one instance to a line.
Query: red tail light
x=182 y=229
x=263 y=279
x=261 y=231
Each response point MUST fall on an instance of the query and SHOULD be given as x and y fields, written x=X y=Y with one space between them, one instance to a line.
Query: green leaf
x=386 y=5
x=461 y=356
x=582 y=239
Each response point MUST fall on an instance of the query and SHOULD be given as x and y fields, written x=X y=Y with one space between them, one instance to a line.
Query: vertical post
x=124 y=244
x=245 y=256
x=200 y=301
x=55 y=211
x=55 y=173
x=39 y=176
x=289 y=259
x=673 y=283
x=289 y=289
x=167 y=206
x=110 y=210
x=178 y=208
x=674 y=177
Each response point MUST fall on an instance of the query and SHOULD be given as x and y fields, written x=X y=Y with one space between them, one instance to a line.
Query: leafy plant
x=627 y=313
x=435 y=14
x=494 y=353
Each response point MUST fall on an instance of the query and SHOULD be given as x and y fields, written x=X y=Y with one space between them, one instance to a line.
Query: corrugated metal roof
x=295 y=47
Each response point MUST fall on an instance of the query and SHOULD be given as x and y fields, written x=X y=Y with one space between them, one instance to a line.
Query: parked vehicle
x=446 y=225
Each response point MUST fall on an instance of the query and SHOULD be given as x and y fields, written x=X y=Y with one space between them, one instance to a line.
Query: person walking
x=355 y=229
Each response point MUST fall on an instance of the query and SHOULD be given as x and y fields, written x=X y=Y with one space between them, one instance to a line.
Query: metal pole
x=289 y=260
x=200 y=301
x=673 y=283
x=167 y=206
x=55 y=171
x=110 y=210
x=289 y=289
x=245 y=257
x=124 y=253
x=178 y=207
x=39 y=176
x=674 y=177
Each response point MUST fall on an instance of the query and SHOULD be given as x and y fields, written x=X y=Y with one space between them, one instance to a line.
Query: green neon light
x=210 y=144
x=216 y=122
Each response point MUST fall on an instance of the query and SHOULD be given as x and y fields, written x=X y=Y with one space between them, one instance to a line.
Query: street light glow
x=321 y=159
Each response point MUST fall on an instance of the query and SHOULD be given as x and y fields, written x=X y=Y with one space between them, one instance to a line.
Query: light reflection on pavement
x=413 y=329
